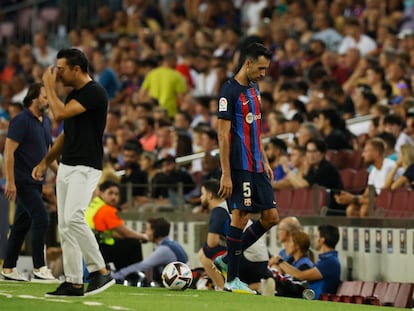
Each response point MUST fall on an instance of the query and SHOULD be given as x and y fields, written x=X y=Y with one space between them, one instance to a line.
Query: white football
x=177 y=276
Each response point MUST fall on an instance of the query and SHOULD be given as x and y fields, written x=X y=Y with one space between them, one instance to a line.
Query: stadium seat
x=390 y=294
x=404 y=297
x=378 y=294
x=356 y=160
x=284 y=201
x=348 y=290
x=347 y=178
x=398 y=205
x=360 y=181
x=382 y=202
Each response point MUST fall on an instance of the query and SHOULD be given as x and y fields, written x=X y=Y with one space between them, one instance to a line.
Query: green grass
x=15 y=296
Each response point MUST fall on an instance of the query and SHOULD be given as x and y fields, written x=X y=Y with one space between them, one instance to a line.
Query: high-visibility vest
x=91 y=210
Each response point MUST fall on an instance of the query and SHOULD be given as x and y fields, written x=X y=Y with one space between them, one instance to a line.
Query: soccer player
x=246 y=173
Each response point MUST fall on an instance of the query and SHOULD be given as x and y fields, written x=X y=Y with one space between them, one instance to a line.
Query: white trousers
x=74 y=189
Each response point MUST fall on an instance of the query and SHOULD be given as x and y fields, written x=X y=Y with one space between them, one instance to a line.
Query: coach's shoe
x=44 y=275
x=237 y=286
x=99 y=282
x=220 y=266
x=66 y=289
x=15 y=275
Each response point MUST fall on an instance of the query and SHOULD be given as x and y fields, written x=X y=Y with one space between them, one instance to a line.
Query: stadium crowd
x=162 y=64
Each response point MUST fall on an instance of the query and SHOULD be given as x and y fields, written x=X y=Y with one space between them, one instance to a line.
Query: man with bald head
x=286 y=227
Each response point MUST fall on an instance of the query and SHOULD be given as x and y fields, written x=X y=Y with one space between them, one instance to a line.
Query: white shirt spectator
x=364 y=45
x=377 y=176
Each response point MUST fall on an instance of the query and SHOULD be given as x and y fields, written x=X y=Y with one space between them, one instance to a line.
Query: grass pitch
x=17 y=296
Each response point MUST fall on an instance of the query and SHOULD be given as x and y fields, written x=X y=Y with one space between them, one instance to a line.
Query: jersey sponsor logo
x=250 y=117
x=222 y=104
x=245 y=103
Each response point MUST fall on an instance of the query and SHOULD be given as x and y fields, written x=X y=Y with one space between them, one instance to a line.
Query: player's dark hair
x=74 y=57
x=330 y=234
x=212 y=186
x=160 y=226
x=32 y=93
x=254 y=51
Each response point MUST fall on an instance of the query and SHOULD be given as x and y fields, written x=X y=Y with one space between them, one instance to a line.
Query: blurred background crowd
x=342 y=73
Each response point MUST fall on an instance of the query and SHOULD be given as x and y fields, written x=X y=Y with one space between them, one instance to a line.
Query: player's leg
x=262 y=198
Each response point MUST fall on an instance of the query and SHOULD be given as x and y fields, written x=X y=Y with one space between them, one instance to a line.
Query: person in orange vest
x=118 y=243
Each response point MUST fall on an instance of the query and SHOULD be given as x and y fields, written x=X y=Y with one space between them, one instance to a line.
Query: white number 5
x=247 y=191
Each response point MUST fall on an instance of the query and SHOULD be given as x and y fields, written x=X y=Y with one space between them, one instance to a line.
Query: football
x=177 y=276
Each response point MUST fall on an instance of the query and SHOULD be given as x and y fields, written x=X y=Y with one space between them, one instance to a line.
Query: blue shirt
x=330 y=269
x=34 y=138
x=164 y=253
x=242 y=106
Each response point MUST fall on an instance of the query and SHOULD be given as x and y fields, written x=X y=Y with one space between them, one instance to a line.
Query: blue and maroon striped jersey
x=241 y=105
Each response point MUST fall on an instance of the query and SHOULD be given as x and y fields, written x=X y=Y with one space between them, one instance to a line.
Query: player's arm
x=10 y=187
x=268 y=168
x=59 y=109
x=226 y=185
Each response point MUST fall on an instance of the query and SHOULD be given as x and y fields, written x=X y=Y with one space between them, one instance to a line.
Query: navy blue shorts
x=252 y=192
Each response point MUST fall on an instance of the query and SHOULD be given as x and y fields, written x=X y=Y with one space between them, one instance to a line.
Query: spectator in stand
x=133 y=175
x=409 y=125
x=164 y=134
x=45 y=55
x=363 y=99
x=166 y=251
x=307 y=131
x=357 y=205
x=165 y=84
x=118 y=243
x=406 y=162
x=394 y=124
x=166 y=182
x=344 y=104
x=321 y=172
x=12 y=66
x=209 y=140
x=146 y=132
x=113 y=122
x=275 y=121
x=355 y=38
x=104 y=75
x=333 y=129
x=389 y=140
x=323 y=24
x=297 y=164
x=206 y=76
x=327 y=268
x=334 y=68
x=275 y=150
x=113 y=152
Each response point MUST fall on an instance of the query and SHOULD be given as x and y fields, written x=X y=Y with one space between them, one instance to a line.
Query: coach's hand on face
x=49 y=76
x=226 y=186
